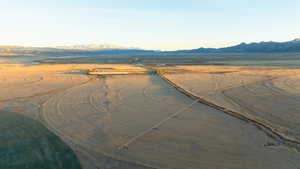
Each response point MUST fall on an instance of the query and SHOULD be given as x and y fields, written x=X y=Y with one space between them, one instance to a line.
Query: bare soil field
x=269 y=94
x=140 y=121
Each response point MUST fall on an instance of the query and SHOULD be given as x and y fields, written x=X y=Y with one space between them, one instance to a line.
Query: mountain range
x=104 y=49
x=261 y=47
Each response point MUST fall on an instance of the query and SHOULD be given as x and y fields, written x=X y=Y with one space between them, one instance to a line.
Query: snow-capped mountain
x=94 y=47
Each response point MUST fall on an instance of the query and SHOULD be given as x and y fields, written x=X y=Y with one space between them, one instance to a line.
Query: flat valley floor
x=141 y=121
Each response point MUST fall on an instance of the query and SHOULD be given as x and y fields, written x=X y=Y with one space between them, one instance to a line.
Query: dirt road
x=132 y=121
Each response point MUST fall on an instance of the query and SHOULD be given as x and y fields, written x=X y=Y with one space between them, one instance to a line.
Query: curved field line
x=89 y=146
x=274 y=90
x=277 y=91
x=244 y=106
x=45 y=117
x=273 y=93
x=266 y=128
x=238 y=102
x=41 y=105
x=51 y=92
x=288 y=83
x=235 y=102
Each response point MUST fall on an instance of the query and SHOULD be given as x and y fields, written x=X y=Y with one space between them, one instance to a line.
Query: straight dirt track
x=140 y=121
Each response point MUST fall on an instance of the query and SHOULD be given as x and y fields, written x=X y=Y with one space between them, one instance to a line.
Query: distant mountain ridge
x=105 y=49
x=261 y=47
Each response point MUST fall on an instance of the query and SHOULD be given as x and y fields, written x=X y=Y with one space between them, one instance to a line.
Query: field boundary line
x=44 y=116
x=266 y=128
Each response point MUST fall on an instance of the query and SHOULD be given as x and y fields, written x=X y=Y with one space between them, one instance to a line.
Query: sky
x=148 y=24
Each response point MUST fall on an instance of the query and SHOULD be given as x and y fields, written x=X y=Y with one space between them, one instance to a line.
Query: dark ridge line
x=267 y=129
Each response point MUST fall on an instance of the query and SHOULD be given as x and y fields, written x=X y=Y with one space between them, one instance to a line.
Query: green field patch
x=27 y=144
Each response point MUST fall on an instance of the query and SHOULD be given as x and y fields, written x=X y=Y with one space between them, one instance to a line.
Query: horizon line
x=138 y=48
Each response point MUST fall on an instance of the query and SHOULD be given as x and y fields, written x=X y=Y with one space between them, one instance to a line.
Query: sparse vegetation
x=25 y=143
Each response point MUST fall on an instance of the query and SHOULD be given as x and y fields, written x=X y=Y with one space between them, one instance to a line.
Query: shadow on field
x=25 y=143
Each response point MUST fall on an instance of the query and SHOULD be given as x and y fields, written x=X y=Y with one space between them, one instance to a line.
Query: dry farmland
x=141 y=121
x=270 y=95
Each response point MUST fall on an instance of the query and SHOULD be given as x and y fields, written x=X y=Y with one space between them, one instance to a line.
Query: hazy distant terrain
x=242 y=59
x=102 y=49
x=258 y=59
x=143 y=122
x=267 y=53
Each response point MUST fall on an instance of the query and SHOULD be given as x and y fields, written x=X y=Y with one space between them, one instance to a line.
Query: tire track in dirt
x=48 y=93
x=239 y=102
x=268 y=84
x=52 y=94
x=155 y=126
x=266 y=128
x=288 y=83
x=278 y=91
x=78 y=142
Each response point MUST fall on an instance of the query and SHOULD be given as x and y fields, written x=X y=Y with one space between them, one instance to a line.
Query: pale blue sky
x=150 y=24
